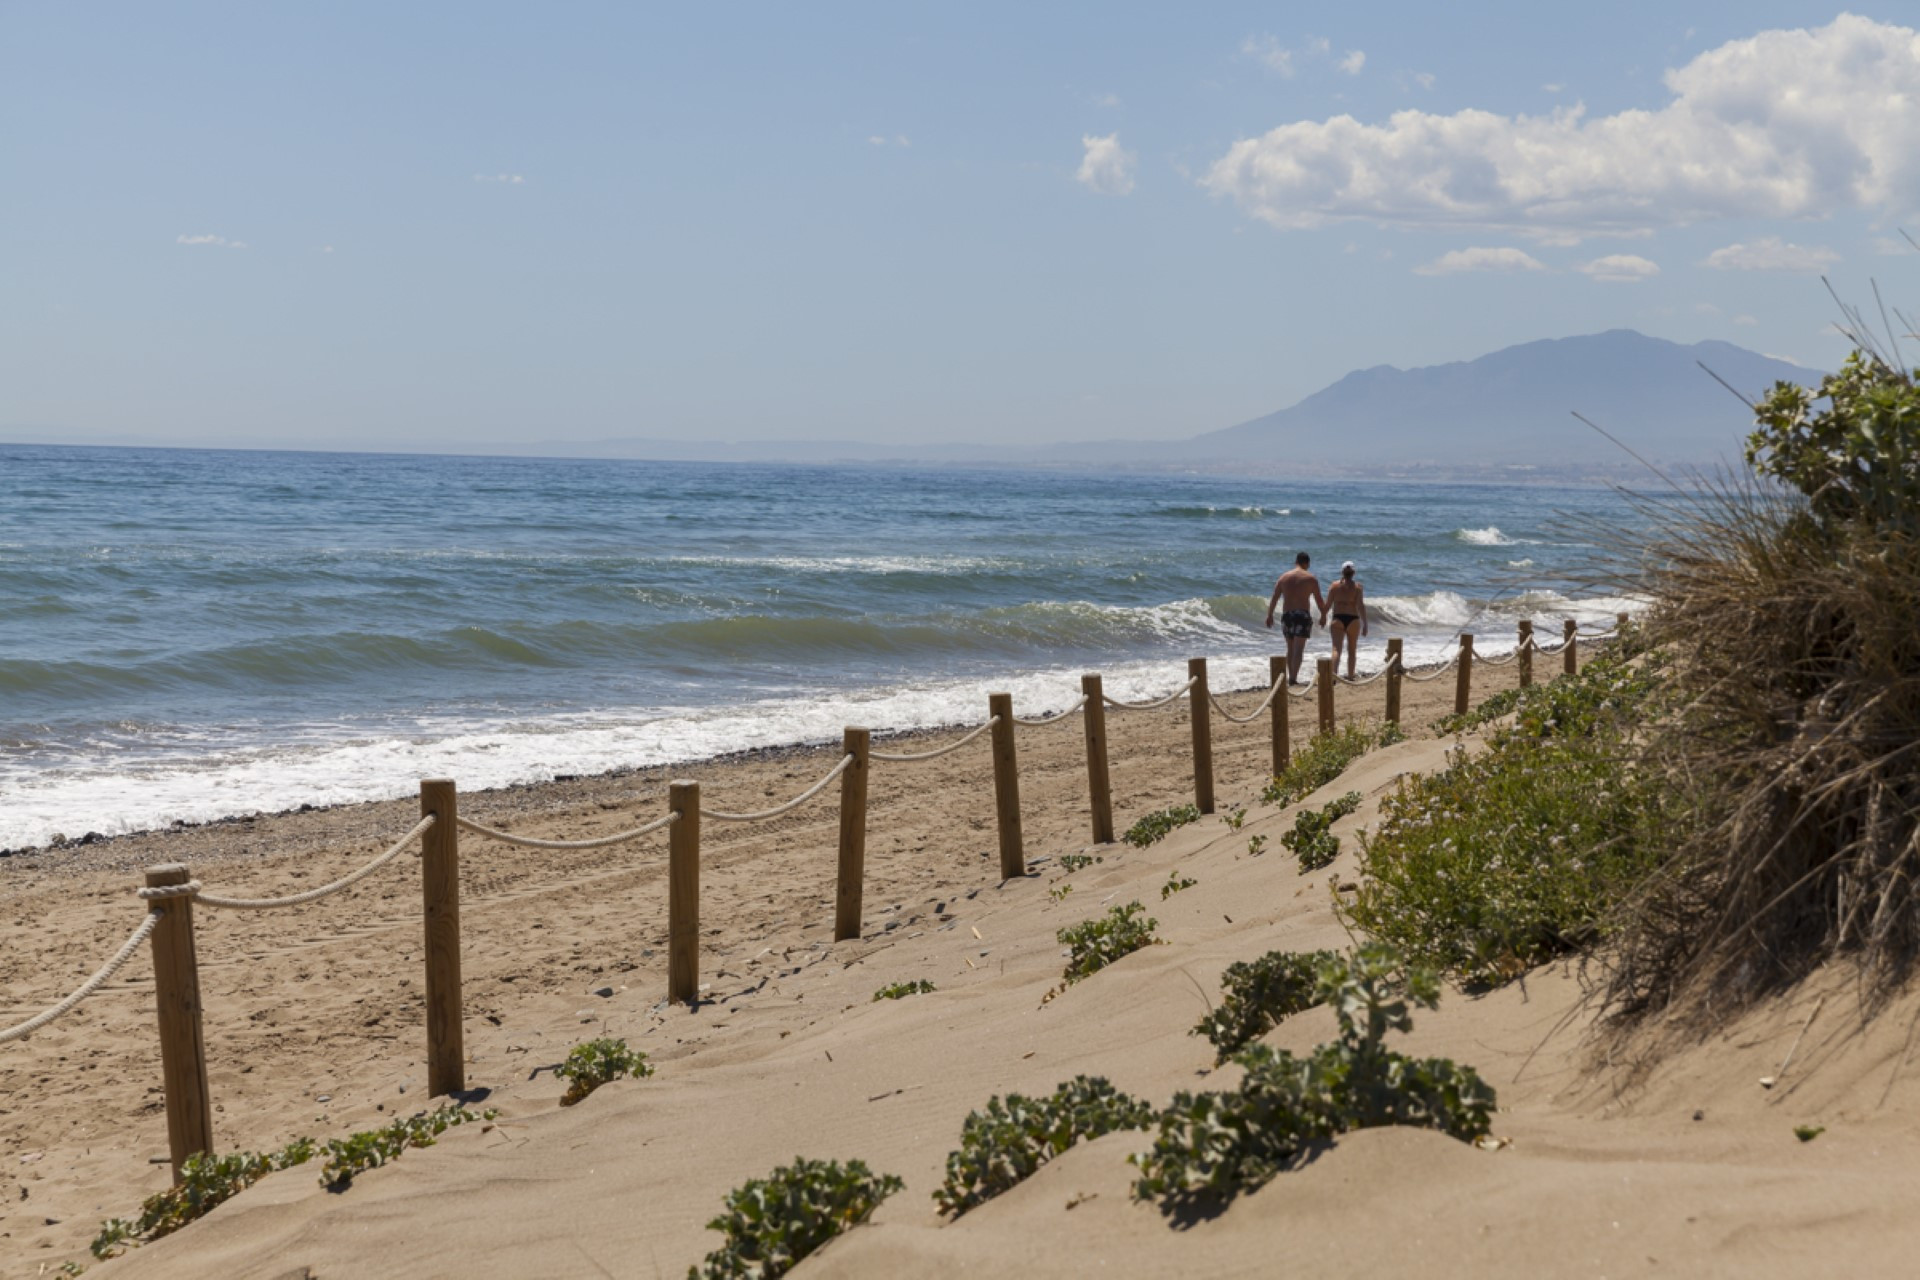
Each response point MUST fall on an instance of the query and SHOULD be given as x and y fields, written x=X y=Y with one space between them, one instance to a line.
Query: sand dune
x=1608 y=1172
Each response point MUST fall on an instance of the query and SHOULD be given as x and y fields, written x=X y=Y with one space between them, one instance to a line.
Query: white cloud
x=1893 y=246
x=1320 y=45
x=1553 y=88
x=1745 y=321
x=1355 y=59
x=1706 y=308
x=1620 y=268
x=1770 y=253
x=1269 y=53
x=1107 y=167
x=1106 y=100
x=1424 y=79
x=505 y=179
x=881 y=140
x=1785 y=124
x=1456 y=261
x=325 y=248
x=210 y=241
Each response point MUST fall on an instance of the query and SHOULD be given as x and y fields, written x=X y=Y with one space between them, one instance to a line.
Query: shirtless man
x=1347 y=602
x=1296 y=589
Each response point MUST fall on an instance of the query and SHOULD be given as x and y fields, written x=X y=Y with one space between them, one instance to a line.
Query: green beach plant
x=1156 y=825
x=1324 y=758
x=598 y=1062
x=1257 y=995
x=206 y=1182
x=901 y=990
x=1094 y=944
x=1005 y=1144
x=1312 y=839
x=1078 y=861
x=371 y=1148
x=1527 y=848
x=1175 y=883
x=771 y=1223
x=1213 y=1146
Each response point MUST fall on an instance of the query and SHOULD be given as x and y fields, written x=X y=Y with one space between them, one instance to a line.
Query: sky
x=444 y=227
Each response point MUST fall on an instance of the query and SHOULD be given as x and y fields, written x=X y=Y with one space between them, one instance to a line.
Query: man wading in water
x=1296 y=589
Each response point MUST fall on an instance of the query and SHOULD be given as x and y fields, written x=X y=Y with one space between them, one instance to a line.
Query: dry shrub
x=1794 y=623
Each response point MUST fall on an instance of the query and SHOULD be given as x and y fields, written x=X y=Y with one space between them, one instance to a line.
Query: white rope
x=1272 y=693
x=1304 y=690
x=192 y=888
x=87 y=988
x=1158 y=702
x=1037 y=721
x=1498 y=662
x=597 y=842
x=1437 y=672
x=909 y=757
x=1608 y=634
x=790 y=805
x=1359 y=681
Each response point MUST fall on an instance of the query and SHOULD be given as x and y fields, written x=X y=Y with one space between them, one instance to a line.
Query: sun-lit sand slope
x=1607 y=1174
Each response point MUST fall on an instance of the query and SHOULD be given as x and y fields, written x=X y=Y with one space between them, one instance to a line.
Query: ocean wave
x=1491 y=537
x=1205 y=512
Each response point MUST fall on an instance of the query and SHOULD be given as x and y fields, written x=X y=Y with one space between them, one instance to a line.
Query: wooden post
x=1463 y=686
x=1282 y=748
x=1324 y=677
x=1099 y=784
x=1006 y=787
x=853 y=834
x=1572 y=633
x=1526 y=652
x=683 y=893
x=1199 y=712
x=1393 y=680
x=440 y=894
x=183 y=1046
x=1621 y=619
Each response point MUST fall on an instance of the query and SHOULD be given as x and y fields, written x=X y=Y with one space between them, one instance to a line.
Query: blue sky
x=436 y=226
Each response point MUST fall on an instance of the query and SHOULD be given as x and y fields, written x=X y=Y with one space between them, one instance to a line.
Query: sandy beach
x=314 y=1027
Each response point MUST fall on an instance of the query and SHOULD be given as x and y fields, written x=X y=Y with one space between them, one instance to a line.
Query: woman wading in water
x=1347 y=602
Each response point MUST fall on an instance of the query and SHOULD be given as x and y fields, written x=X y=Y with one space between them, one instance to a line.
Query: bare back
x=1297 y=589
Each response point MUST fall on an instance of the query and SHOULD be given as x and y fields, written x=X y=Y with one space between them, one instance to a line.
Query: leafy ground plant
x=1216 y=1145
x=1059 y=892
x=771 y=1223
x=1257 y=994
x=1312 y=838
x=1003 y=1145
x=206 y=1182
x=1256 y=845
x=1175 y=883
x=598 y=1062
x=1078 y=861
x=1491 y=709
x=1156 y=825
x=1527 y=848
x=901 y=990
x=1094 y=944
x=1325 y=758
x=372 y=1148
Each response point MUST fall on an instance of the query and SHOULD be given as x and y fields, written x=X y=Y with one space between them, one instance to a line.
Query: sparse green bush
x=1006 y=1143
x=1175 y=883
x=1157 y=824
x=1059 y=892
x=901 y=990
x=1525 y=848
x=1094 y=944
x=1256 y=845
x=1324 y=758
x=372 y=1148
x=1312 y=839
x=597 y=1062
x=1216 y=1145
x=1256 y=995
x=1234 y=819
x=771 y=1223
x=1491 y=709
x=206 y=1182
x=1078 y=861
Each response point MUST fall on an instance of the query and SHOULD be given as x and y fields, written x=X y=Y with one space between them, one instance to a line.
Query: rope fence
x=170 y=892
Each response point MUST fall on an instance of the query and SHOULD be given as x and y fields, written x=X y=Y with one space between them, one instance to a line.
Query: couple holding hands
x=1345 y=600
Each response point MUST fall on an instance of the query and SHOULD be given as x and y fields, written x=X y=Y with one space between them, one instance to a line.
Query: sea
x=188 y=635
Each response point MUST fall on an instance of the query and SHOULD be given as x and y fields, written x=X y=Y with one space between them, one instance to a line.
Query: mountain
x=1515 y=406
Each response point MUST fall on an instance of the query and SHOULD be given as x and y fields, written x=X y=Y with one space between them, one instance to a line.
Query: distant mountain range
x=1507 y=413
x=1517 y=405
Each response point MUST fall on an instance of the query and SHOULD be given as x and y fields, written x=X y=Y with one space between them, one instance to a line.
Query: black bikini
x=1346 y=619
